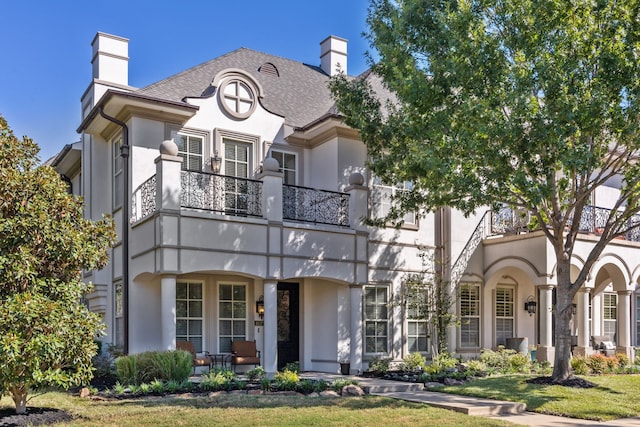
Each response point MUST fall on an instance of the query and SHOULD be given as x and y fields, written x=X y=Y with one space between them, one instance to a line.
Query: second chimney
x=333 y=55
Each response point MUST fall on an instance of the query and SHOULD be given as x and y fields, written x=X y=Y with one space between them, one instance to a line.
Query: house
x=239 y=206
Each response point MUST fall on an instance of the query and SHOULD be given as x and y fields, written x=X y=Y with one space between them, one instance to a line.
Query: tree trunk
x=563 y=312
x=19 y=395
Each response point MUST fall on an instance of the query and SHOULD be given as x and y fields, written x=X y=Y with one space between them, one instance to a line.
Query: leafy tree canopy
x=46 y=334
x=533 y=104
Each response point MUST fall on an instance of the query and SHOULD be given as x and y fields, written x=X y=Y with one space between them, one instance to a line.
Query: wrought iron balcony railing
x=220 y=193
x=315 y=206
x=593 y=220
x=143 y=201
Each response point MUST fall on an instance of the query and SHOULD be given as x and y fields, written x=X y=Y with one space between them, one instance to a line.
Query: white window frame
x=189 y=318
x=503 y=314
x=118 y=172
x=288 y=172
x=118 y=314
x=382 y=198
x=226 y=347
x=470 y=315
x=610 y=315
x=186 y=154
x=417 y=327
x=381 y=325
x=231 y=102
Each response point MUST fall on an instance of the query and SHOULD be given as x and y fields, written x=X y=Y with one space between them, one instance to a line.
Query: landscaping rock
x=314 y=394
x=237 y=392
x=329 y=393
x=451 y=381
x=215 y=394
x=254 y=391
x=84 y=393
x=352 y=390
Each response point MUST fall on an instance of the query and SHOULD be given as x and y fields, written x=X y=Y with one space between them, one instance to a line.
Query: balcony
x=593 y=220
x=240 y=197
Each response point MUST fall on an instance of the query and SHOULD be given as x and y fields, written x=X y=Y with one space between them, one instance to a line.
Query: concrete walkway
x=507 y=411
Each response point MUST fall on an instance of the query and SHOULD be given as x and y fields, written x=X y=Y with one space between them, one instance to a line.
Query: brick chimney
x=333 y=55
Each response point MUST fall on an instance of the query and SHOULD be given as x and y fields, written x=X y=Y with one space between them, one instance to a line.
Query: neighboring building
x=244 y=187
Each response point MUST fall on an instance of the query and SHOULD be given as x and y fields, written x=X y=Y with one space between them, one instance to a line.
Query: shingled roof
x=298 y=91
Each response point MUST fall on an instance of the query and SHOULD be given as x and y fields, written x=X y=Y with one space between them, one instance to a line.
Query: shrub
x=519 y=363
x=623 y=360
x=152 y=365
x=541 y=368
x=256 y=374
x=306 y=386
x=441 y=362
x=127 y=370
x=579 y=365
x=597 y=364
x=265 y=384
x=612 y=364
x=218 y=379
x=285 y=380
x=320 y=386
x=338 y=384
x=414 y=361
x=500 y=360
x=475 y=366
x=292 y=367
x=379 y=366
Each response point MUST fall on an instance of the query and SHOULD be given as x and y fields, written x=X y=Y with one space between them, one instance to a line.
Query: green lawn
x=617 y=396
x=247 y=410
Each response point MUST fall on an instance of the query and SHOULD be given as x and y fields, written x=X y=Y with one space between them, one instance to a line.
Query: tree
x=46 y=334
x=519 y=102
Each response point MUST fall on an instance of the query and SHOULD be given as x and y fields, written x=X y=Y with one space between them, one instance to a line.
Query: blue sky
x=46 y=47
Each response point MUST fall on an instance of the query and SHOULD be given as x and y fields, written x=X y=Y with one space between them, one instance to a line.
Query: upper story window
x=287 y=162
x=382 y=199
x=191 y=149
x=237 y=98
x=117 y=173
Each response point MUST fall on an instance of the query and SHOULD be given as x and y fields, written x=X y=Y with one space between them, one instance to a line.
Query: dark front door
x=288 y=328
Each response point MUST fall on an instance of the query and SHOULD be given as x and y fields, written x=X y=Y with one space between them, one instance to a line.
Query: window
x=232 y=300
x=382 y=199
x=376 y=319
x=237 y=98
x=118 y=303
x=191 y=149
x=505 y=319
x=189 y=313
x=287 y=162
x=610 y=315
x=417 y=335
x=637 y=320
x=237 y=163
x=117 y=173
x=470 y=316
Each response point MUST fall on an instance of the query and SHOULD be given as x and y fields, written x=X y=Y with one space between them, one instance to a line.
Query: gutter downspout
x=124 y=153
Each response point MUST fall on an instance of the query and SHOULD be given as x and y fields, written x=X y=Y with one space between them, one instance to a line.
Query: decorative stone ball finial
x=270 y=164
x=356 y=178
x=169 y=147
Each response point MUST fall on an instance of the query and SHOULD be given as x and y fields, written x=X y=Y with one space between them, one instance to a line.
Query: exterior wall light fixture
x=530 y=305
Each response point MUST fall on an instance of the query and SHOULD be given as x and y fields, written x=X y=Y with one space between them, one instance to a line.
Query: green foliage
x=218 y=379
x=441 y=362
x=256 y=374
x=292 y=367
x=157 y=386
x=379 y=366
x=339 y=383
x=413 y=361
x=475 y=366
x=285 y=380
x=505 y=103
x=46 y=334
x=519 y=363
x=152 y=365
x=320 y=386
x=306 y=386
x=598 y=364
x=265 y=384
x=623 y=360
x=579 y=365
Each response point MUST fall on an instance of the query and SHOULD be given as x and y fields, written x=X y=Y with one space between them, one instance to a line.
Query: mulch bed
x=571 y=382
x=34 y=417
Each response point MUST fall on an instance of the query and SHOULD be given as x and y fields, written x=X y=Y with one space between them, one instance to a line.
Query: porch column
x=356 y=345
x=358 y=201
x=168 y=311
x=271 y=190
x=582 y=317
x=545 y=350
x=168 y=186
x=270 y=355
x=623 y=344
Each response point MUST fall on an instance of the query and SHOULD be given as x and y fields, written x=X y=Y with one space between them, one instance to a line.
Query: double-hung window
x=376 y=322
x=382 y=199
x=189 y=313
x=417 y=312
x=287 y=162
x=505 y=317
x=118 y=188
x=232 y=309
x=469 y=315
x=610 y=315
x=118 y=303
x=238 y=164
x=191 y=149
